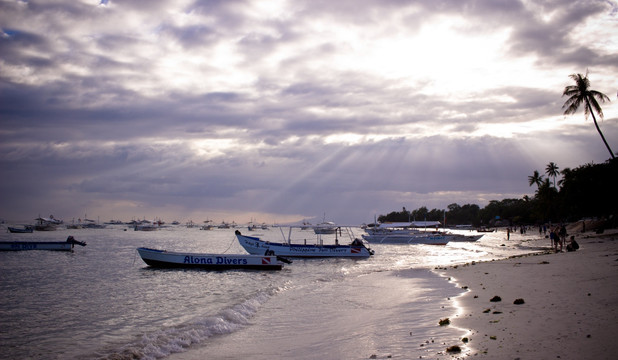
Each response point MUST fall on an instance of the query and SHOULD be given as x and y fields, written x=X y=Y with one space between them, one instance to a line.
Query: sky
x=278 y=111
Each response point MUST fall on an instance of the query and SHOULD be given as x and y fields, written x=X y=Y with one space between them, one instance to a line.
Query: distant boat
x=407 y=237
x=47 y=224
x=91 y=224
x=325 y=227
x=41 y=245
x=171 y=259
x=146 y=227
x=22 y=230
x=224 y=225
x=114 y=222
x=306 y=225
x=409 y=233
x=257 y=246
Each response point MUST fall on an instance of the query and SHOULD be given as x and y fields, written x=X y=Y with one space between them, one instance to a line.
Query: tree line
x=588 y=191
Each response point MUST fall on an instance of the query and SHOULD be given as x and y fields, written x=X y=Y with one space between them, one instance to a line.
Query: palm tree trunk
x=599 y=130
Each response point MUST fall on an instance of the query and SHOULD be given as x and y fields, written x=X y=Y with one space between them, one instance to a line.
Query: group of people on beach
x=509 y=230
x=557 y=236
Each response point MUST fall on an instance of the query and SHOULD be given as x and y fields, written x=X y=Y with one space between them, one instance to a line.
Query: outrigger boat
x=410 y=233
x=171 y=259
x=405 y=237
x=257 y=246
x=41 y=245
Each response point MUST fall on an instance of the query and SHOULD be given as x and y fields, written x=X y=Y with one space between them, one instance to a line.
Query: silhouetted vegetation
x=581 y=93
x=588 y=191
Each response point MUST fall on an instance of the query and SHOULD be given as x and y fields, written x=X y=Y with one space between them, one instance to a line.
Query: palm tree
x=552 y=171
x=536 y=178
x=581 y=93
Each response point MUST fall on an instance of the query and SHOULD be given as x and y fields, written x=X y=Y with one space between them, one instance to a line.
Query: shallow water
x=102 y=301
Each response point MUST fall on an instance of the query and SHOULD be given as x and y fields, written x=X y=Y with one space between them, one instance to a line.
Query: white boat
x=67 y=245
x=47 y=224
x=171 y=259
x=325 y=227
x=405 y=233
x=412 y=238
x=257 y=246
x=410 y=233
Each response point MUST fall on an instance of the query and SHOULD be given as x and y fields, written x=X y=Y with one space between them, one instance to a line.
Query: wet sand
x=570 y=308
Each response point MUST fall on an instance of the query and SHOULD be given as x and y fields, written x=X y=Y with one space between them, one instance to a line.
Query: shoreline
x=569 y=310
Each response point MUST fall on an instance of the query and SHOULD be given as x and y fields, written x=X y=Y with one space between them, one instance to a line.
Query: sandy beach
x=569 y=310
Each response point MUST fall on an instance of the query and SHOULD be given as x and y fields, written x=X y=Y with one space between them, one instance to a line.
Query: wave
x=162 y=343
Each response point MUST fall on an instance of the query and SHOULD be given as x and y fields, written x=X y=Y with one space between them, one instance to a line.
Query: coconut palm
x=581 y=93
x=552 y=171
x=536 y=178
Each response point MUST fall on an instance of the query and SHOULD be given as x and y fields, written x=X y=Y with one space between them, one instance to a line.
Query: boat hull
x=20 y=230
x=256 y=246
x=35 y=245
x=170 y=259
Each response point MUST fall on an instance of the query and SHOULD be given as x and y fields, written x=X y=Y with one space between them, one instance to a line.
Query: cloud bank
x=284 y=110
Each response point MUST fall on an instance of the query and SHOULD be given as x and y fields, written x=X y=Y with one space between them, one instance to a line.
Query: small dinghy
x=22 y=230
x=171 y=259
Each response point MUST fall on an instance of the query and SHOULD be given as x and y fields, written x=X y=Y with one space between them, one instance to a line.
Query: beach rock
x=444 y=322
x=453 y=349
x=518 y=301
x=495 y=299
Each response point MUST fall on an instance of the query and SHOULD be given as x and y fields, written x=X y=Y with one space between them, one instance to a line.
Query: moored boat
x=172 y=259
x=405 y=233
x=410 y=233
x=22 y=230
x=428 y=238
x=257 y=246
x=67 y=245
x=325 y=227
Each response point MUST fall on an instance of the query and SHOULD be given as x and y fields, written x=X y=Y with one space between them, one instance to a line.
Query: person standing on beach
x=508 y=233
x=563 y=235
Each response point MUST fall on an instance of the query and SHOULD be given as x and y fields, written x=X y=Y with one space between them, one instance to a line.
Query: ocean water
x=102 y=301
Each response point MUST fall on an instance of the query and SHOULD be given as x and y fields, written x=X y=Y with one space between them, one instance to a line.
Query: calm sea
x=103 y=302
